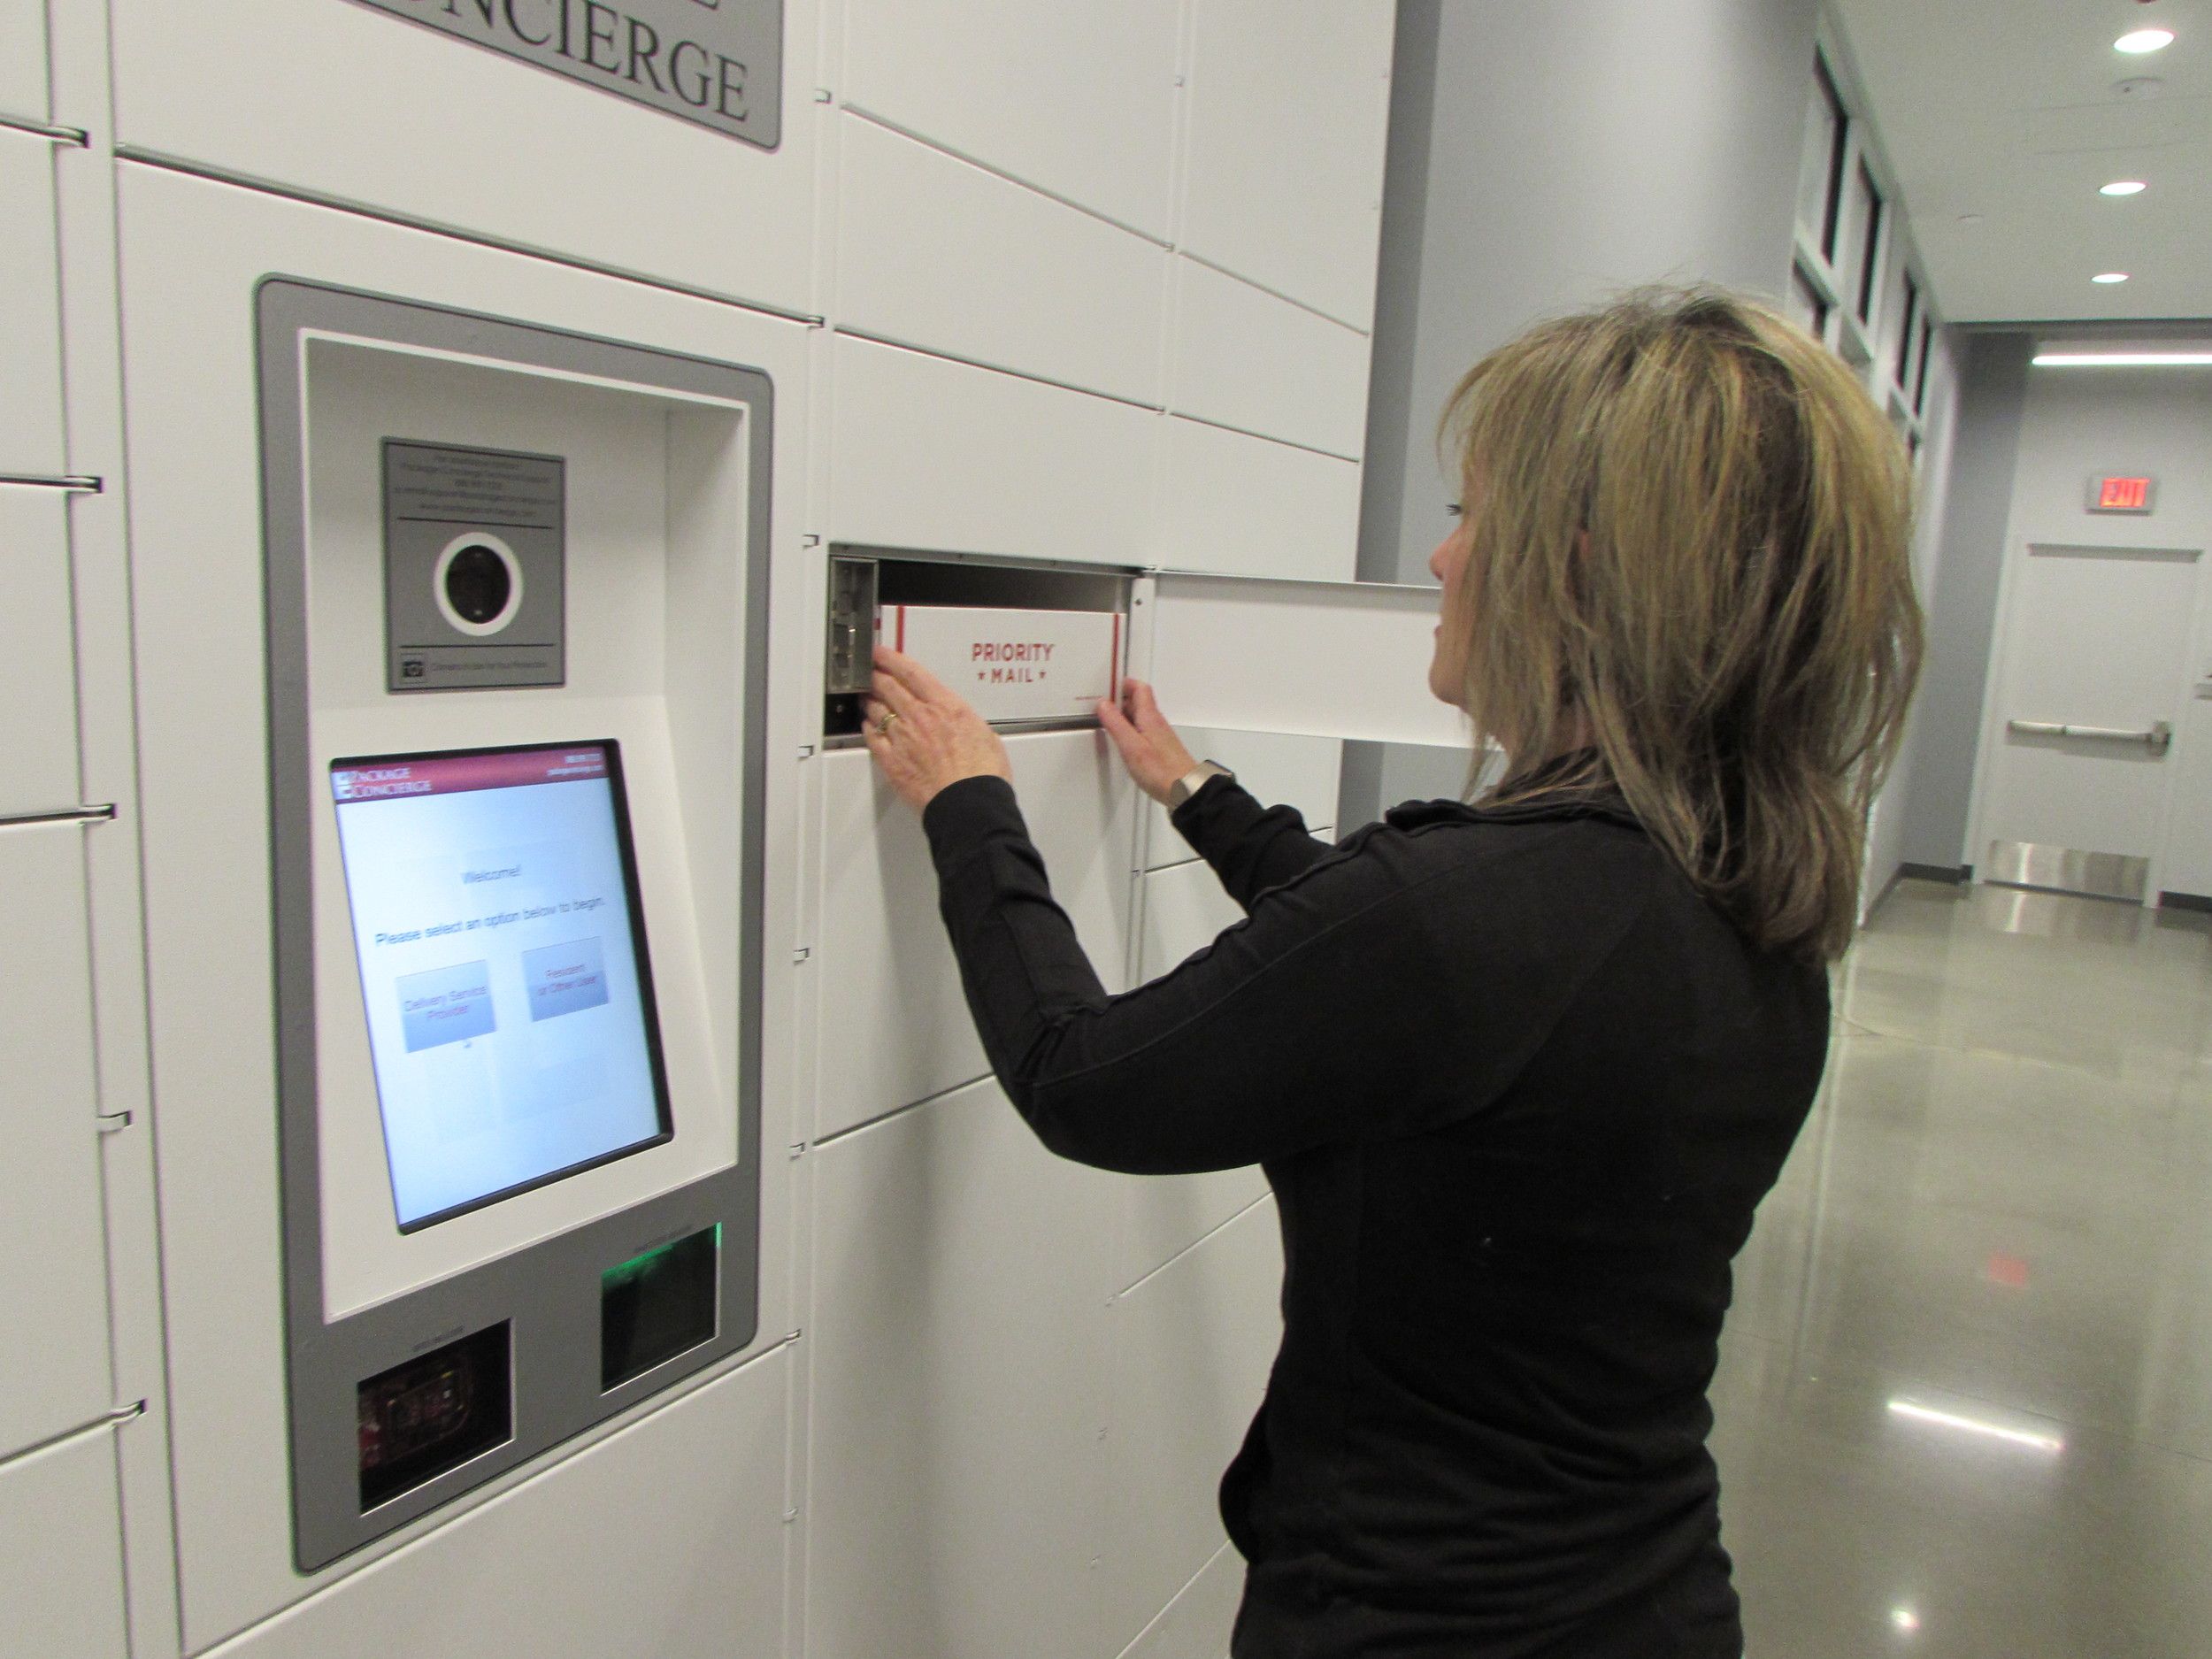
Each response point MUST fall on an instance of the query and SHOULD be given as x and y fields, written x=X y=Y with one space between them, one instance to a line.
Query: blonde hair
x=1689 y=525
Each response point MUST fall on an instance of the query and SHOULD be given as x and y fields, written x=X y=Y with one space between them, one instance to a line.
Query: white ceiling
x=2006 y=110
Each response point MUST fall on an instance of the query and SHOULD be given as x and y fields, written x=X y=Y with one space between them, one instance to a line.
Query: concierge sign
x=2122 y=492
x=717 y=63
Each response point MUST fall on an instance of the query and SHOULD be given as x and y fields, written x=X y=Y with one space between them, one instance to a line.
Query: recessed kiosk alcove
x=517 y=624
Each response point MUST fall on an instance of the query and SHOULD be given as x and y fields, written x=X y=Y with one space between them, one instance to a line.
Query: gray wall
x=1963 y=603
x=1544 y=157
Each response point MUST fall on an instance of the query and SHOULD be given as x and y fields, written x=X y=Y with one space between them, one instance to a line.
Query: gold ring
x=884 y=724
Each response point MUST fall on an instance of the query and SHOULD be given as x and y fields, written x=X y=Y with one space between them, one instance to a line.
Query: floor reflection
x=1966 y=1399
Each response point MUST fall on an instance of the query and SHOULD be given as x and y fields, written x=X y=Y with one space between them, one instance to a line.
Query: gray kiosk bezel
x=547 y=1293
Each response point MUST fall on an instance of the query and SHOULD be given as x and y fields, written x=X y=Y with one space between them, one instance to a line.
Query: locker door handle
x=2158 y=740
x=75 y=137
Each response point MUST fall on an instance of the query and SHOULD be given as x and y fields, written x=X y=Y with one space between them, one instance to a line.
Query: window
x=1905 y=334
x=1821 y=167
x=1807 y=306
x=1866 y=216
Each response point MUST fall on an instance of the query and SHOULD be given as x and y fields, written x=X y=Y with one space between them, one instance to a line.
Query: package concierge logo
x=716 y=63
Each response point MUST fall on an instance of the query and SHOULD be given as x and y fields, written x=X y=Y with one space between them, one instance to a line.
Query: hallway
x=1966 y=1399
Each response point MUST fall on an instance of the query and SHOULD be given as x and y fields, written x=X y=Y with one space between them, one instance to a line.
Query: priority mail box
x=1013 y=666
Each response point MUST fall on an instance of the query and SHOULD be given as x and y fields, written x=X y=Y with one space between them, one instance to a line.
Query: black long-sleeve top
x=1518 y=1088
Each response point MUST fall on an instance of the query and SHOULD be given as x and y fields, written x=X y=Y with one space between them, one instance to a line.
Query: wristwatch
x=1192 y=781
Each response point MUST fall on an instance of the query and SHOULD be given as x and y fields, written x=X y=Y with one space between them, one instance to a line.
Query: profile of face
x=1447 y=667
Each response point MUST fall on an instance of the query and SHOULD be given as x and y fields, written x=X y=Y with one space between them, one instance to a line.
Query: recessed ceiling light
x=2122 y=360
x=2110 y=276
x=2136 y=41
x=2122 y=187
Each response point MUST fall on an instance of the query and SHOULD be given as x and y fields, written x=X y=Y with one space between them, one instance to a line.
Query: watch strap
x=1192 y=781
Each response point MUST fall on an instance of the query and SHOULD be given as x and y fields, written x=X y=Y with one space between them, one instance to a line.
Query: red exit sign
x=2121 y=494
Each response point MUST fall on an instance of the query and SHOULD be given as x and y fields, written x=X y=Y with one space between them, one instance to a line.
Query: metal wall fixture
x=2158 y=739
x=75 y=483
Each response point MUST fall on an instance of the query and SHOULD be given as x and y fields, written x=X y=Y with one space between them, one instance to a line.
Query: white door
x=2077 y=767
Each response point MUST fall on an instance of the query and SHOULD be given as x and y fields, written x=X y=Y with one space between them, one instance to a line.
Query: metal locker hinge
x=75 y=483
x=103 y=812
x=60 y=135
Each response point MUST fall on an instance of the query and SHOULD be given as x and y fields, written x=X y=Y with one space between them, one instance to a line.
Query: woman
x=1519 y=1070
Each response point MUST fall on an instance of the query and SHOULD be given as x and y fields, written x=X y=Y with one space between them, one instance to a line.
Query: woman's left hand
x=923 y=733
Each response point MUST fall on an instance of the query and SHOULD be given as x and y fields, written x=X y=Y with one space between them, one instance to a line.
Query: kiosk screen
x=503 y=968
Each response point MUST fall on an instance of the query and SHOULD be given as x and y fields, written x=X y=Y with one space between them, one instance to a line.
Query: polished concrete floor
x=1965 y=1401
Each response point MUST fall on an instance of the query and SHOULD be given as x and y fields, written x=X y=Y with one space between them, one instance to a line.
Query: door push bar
x=2158 y=740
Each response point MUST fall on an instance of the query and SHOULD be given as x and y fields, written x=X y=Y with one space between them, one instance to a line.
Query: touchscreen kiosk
x=518 y=920
x=503 y=970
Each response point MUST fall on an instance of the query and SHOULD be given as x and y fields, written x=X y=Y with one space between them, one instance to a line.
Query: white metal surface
x=192 y=251
x=2093 y=636
x=38 y=660
x=91 y=353
x=596 y=178
x=1077 y=99
x=61 y=1558
x=667 y=1537
x=1238 y=356
x=1278 y=770
x=937 y=253
x=1191 y=1346
x=925 y=453
x=894 y=1027
x=1181 y=909
x=960 y=1361
x=53 y=1259
x=1197 y=1623
x=30 y=321
x=23 y=83
x=1252 y=507
x=1288 y=114
x=1330 y=659
x=1184 y=910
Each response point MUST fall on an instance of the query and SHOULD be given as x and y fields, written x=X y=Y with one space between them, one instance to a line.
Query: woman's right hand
x=1154 y=756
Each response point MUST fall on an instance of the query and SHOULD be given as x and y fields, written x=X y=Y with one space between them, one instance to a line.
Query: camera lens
x=477 y=584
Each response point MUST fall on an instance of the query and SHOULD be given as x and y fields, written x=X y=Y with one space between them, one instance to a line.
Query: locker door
x=30 y=320
x=1324 y=659
x=23 y=93
x=53 y=1267
x=61 y=1556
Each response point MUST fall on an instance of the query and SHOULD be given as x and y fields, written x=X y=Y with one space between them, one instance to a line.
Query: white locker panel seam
x=143 y=155
x=873 y=117
x=31 y=443
x=61 y=1560
x=845 y=331
x=1246 y=360
x=1006 y=466
x=1229 y=1220
x=1076 y=100
x=1225 y=1567
x=938 y=253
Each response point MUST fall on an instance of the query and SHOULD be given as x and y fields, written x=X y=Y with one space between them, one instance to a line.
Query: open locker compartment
x=1032 y=643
